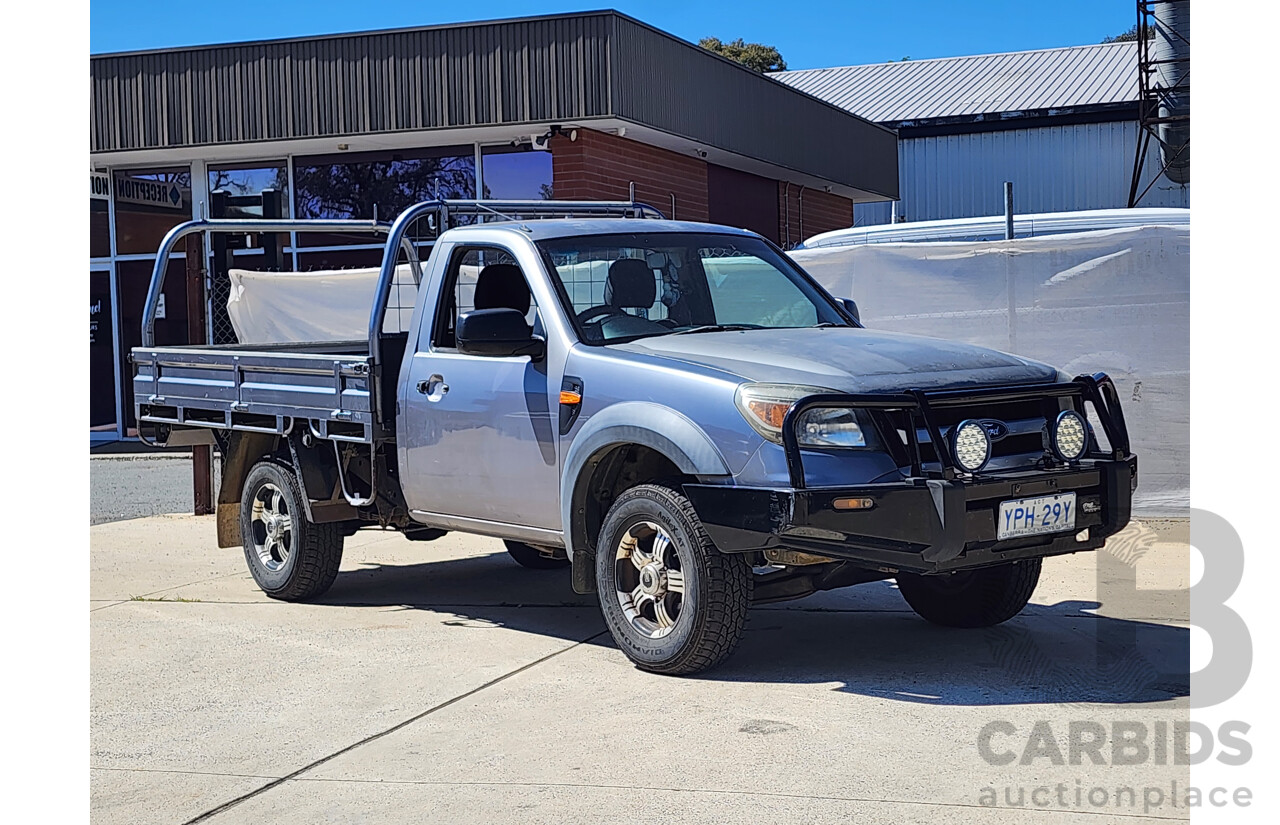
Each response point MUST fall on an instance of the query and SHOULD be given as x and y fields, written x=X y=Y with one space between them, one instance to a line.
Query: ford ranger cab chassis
x=674 y=412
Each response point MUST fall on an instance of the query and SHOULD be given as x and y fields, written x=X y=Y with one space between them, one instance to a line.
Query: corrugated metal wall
x=1053 y=169
x=558 y=69
x=526 y=71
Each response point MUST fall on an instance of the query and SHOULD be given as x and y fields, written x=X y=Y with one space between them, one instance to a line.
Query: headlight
x=1070 y=436
x=830 y=427
x=765 y=406
x=970 y=446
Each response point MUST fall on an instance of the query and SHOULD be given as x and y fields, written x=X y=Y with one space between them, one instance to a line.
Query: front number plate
x=1033 y=516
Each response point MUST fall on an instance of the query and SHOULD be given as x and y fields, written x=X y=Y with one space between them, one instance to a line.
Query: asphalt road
x=126 y=486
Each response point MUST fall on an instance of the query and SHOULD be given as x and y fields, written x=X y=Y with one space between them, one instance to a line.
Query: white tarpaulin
x=321 y=306
x=1115 y=301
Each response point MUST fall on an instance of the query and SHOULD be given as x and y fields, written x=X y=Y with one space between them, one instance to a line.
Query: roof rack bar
x=504 y=209
x=234 y=225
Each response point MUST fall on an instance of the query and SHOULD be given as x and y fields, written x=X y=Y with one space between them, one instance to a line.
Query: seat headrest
x=502 y=286
x=631 y=285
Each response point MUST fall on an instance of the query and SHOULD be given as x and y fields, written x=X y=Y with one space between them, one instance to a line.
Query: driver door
x=480 y=440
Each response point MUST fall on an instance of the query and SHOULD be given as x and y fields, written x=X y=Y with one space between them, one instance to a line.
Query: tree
x=755 y=56
x=1125 y=36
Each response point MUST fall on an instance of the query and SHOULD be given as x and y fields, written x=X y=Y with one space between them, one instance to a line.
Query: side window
x=481 y=277
x=747 y=290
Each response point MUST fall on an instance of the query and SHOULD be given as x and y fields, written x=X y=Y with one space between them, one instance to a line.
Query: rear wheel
x=673 y=603
x=972 y=598
x=534 y=558
x=290 y=557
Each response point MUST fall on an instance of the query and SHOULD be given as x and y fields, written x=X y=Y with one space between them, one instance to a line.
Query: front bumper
x=921 y=526
x=937 y=519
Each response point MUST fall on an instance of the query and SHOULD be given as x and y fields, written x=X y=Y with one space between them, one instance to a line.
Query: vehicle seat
x=502 y=286
x=630 y=285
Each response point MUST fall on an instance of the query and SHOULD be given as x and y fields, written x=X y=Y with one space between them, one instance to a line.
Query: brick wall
x=823 y=212
x=599 y=166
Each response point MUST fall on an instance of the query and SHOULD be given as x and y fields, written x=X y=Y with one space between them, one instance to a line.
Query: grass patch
x=161 y=599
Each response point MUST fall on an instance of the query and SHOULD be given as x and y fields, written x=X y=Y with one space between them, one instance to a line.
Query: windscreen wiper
x=716 y=328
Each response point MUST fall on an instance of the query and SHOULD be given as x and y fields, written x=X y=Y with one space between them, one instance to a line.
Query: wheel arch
x=626 y=444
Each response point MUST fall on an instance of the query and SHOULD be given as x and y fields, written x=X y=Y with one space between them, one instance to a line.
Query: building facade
x=1061 y=124
x=586 y=106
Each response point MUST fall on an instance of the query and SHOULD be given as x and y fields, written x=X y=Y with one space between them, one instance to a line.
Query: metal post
x=272 y=207
x=1008 y=210
x=293 y=199
x=1010 y=282
x=116 y=317
x=201 y=454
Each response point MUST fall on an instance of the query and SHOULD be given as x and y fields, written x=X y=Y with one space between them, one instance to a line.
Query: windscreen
x=625 y=287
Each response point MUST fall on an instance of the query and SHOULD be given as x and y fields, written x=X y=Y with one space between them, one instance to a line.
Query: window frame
x=446 y=303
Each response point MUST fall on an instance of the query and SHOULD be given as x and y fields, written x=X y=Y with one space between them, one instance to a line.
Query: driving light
x=1070 y=436
x=765 y=405
x=970 y=446
x=829 y=427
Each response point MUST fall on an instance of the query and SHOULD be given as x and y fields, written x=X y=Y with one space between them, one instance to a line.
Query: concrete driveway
x=439 y=682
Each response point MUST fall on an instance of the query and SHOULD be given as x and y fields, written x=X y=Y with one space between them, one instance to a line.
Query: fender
x=636 y=422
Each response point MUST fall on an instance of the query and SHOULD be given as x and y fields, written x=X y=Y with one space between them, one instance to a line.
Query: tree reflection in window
x=352 y=189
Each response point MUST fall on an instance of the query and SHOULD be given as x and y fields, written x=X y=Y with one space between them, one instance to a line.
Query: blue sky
x=809 y=33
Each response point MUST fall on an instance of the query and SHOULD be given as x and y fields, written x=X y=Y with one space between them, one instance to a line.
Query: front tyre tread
x=724 y=586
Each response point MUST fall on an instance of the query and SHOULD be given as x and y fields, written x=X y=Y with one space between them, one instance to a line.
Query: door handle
x=434 y=388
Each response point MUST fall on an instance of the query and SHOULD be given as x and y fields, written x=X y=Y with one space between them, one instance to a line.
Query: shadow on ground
x=863 y=640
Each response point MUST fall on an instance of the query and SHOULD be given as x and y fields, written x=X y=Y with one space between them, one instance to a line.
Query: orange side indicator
x=853 y=504
x=570 y=397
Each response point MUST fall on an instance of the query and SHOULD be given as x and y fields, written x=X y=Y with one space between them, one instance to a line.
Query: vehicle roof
x=548 y=228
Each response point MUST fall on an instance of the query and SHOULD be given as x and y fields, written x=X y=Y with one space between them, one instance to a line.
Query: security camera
x=541 y=141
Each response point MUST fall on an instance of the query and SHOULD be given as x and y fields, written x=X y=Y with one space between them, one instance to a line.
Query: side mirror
x=497 y=333
x=851 y=307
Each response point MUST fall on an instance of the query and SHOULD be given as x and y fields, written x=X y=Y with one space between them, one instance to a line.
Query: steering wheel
x=589 y=316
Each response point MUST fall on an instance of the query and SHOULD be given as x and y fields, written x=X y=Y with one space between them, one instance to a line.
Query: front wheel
x=972 y=598
x=291 y=558
x=673 y=603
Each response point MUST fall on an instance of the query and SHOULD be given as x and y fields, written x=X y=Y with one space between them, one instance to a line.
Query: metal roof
x=981 y=84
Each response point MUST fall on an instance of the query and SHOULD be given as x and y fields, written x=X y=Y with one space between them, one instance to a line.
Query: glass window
x=467 y=269
x=341 y=187
x=251 y=180
x=99 y=229
x=99 y=215
x=149 y=202
x=746 y=289
x=623 y=287
x=351 y=186
x=516 y=174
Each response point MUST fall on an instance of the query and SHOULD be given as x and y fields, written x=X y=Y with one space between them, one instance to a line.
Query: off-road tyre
x=972 y=598
x=315 y=550
x=716 y=587
x=526 y=555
